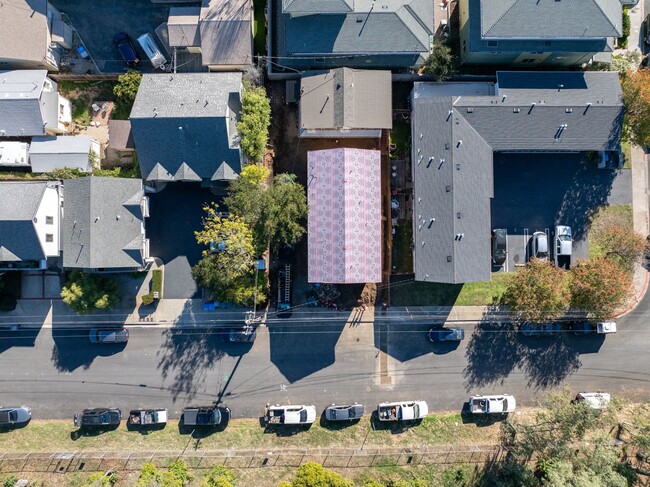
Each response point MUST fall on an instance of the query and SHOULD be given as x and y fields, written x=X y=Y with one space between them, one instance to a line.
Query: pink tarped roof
x=344 y=228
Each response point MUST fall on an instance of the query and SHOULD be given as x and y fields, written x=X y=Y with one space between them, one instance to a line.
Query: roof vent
x=516 y=110
x=470 y=109
x=559 y=87
x=568 y=110
x=449 y=258
x=448 y=189
x=359 y=20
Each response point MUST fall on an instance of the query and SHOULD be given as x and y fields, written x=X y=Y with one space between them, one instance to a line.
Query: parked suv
x=14 y=416
x=344 y=412
x=126 y=49
x=98 y=418
x=499 y=236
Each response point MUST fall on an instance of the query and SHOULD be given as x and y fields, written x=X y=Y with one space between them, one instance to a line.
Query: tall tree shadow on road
x=187 y=354
x=496 y=349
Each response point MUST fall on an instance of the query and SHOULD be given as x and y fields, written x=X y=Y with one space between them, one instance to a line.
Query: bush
x=254 y=123
x=127 y=87
x=441 y=62
x=10 y=481
x=218 y=476
x=156 y=286
x=147 y=299
x=86 y=292
x=627 y=27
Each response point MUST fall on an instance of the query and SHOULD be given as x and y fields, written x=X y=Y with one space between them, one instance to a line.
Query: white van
x=151 y=50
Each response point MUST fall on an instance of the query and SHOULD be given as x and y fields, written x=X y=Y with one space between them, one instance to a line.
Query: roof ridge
x=597 y=2
x=485 y=31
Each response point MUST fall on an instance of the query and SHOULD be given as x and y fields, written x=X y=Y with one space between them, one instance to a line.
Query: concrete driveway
x=176 y=214
x=97 y=23
x=535 y=192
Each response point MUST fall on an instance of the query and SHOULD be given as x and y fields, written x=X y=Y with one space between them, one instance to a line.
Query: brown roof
x=120 y=135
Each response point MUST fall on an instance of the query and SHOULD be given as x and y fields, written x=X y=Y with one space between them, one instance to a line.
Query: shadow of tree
x=548 y=365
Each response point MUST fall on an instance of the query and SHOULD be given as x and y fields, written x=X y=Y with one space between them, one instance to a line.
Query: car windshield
x=416 y=411
x=351 y=412
x=303 y=416
x=564 y=238
x=106 y=417
x=13 y=416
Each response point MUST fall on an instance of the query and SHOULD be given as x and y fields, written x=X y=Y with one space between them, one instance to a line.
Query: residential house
x=456 y=130
x=30 y=217
x=539 y=33
x=344 y=220
x=221 y=30
x=75 y=152
x=370 y=34
x=104 y=225
x=30 y=105
x=185 y=128
x=32 y=35
x=345 y=102
x=120 y=147
x=14 y=154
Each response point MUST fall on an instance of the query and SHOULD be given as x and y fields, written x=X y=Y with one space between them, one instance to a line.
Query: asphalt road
x=57 y=372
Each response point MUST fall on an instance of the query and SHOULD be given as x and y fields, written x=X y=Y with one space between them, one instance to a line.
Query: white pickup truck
x=494 y=404
x=290 y=414
x=402 y=411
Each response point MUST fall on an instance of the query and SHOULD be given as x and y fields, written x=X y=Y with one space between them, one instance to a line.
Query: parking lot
x=536 y=192
x=97 y=23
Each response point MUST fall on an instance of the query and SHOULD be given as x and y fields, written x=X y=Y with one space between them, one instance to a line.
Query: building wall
x=10 y=64
x=50 y=207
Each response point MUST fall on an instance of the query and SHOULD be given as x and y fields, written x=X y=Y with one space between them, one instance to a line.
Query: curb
x=637 y=300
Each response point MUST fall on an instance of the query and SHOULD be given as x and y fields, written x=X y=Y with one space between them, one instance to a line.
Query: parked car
x=540 y=246
x=563 y=240
x=150 y=48
x=454 y=334
x=126 y=49
x=646 y=30
x=537 y=329
x=499 y=236
x=402 y=411
x=14 y=416
x=586 y=328
x=147 y=417
x=595 y=400
x=98 y=418
x=492 y=404
x=205 y=416
x=108 y=335
x=344 y=412
x=289 y=414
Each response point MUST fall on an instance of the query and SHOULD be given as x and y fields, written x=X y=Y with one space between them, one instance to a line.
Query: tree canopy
x=127 y=86
x=636 y=97
x=599 y=287
x=312 y=474
x=255 y=119
x=227 y=266
x=273 y=209
x=537 y=291
x=440 y=63
x=87 y=292
x=620 y=244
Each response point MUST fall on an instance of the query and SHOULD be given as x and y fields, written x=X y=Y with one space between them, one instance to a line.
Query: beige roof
x=346 y=98
x=24 y=33
x=183 y=27
x=226 y=32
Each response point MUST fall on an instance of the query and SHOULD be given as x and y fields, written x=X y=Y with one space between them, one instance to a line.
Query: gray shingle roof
x=454 y=138
x=49 y=153
x=120 y=134
x=549 y=19
x=390 y=33
x=20 y=110
x=19 y=202
x=346 y=98
x=102 y=227
x=186 y=118
x=317 y=6
x=24 y=34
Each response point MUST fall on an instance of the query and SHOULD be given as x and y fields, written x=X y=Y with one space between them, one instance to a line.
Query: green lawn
x=400 y=135
x=247 y=434
x=626 y=148
x=402 y=242
x=606 y=215
x=410 y=293
x=259 y=31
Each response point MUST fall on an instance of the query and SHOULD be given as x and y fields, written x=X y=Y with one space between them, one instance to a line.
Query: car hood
x=23 y=415
x=565 y=247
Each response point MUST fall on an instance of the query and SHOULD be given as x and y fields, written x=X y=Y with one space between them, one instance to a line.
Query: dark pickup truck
x=205 y=415
x=98 y=418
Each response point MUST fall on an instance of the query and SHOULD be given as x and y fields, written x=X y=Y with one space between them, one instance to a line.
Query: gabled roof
x=344 y=220
x=24 y=33
x=51 y=152
x=550 y=19
x=99 y=229
x=20 y=109
x=396 y=29
x=185 y=173
x=224 y=173
x=187 y=118
x=455 y=136
x=19 y=202
x=346 y=98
